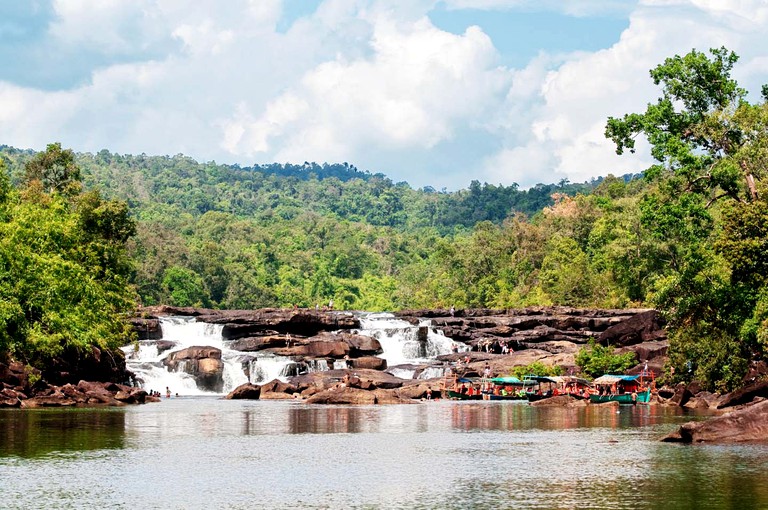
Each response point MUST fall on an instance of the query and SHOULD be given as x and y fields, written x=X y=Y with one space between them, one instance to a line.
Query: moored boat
x=624 y=389
x=504 y=388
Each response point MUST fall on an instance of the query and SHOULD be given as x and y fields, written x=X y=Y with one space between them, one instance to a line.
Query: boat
x=624 y=389
x=463 y=389
x=504 y=388
x=545 y=386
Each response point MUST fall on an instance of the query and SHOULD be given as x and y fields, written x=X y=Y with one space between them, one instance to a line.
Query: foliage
x=596 y=360
x=64 y=271
x=536 y=368
x=705 y=212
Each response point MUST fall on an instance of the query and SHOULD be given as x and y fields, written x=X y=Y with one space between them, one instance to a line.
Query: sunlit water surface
x=204 y=452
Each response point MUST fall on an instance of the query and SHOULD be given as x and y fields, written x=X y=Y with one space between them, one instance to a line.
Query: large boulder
x=146 y=328
x=203 y=363
x=647 y=326
x=744 y=395
x=245 y=391
x=369 y=362
x=747 y=424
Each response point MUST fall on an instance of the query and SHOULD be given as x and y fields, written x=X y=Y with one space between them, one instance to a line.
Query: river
x=206 y=452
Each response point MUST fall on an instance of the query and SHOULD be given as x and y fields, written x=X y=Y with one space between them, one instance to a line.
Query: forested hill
x=161 y=185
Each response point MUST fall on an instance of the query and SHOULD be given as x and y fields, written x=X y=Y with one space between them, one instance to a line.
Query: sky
x=431 y=92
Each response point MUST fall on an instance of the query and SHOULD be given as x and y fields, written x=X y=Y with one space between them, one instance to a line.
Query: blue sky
x=433 y=92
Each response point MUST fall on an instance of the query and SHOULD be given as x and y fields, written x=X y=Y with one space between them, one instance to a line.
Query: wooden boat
x=504 y=388
x=624 y=389
x=457 y=395
x=541 y=387
x=461 y=389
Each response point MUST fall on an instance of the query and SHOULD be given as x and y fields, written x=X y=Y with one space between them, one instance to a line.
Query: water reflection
x=39 y=432
x=521 y=416
x=429 y=455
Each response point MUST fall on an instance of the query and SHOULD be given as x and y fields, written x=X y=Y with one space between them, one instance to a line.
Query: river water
x=206 y=452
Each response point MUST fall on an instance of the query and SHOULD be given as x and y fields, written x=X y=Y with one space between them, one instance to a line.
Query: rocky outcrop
x=146 y=328
x=747 y=424
x=552 y=327
x=245 y=391
x=238 y=324
x=354 y=396
x=747 y=394
x=647 y=326
x=203 y=363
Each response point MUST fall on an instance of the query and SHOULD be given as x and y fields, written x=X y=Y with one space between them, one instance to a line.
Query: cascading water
x=403 y=344
x=146 y=361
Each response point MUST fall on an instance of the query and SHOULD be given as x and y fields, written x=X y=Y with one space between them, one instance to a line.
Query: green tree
x=710 y=144
x=596 y=360
x=55 y=170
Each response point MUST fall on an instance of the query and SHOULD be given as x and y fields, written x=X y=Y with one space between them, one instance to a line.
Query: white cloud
x=371 y=82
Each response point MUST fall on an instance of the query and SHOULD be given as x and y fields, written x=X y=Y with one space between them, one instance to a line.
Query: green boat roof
x=506 y=380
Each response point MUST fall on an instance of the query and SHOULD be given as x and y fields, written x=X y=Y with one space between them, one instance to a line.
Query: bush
x=596 y=360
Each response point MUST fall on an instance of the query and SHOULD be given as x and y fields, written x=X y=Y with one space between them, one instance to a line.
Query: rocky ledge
x=17 y=391
x=745 y=424
x=504 y=339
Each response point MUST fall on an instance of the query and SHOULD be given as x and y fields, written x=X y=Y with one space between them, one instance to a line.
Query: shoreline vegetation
x=85 y=239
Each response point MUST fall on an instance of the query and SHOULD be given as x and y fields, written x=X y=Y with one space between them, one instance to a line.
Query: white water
x=399 y=341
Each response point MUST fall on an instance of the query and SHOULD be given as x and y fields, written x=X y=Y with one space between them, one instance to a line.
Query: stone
x=245 y=391
x=747 y=424
x=369 y=362
x=646 y=326
x=744 y=395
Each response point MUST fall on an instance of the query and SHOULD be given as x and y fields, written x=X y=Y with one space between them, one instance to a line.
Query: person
x=330 y=304
x=429 y=393
x=487 y=371
x=453 y=310
x=167 y=392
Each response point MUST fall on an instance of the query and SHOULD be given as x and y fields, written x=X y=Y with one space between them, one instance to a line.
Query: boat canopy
x=570 y=379
x=541 y=378
x=506 y=380
x=613 y=379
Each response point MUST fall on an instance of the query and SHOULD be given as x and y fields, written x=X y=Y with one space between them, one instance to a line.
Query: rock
x=146 y=328
x=369 y=362
x=744 y=395
x=277 y=386
x=418 y=389
x=647 y=351
x=245 y=391
x=258 y=343
x=203 y=363
x=58 y=400
x=681 y=396
x=748 y=424
x=343 y=395
x=646 y=326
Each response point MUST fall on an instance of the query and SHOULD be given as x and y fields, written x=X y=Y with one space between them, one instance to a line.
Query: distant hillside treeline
x=284 y=235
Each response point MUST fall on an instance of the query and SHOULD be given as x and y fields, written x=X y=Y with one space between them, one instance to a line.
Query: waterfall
x=401 y=342
x=145 y=360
